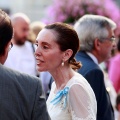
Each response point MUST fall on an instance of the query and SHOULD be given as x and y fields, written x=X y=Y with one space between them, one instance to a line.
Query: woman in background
x=114 y=69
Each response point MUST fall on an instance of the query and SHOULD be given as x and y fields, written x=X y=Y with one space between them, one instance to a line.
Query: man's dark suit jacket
x=21 y=96
x=95 y=77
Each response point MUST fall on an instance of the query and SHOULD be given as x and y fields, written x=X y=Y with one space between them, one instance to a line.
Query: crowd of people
x=52 y=71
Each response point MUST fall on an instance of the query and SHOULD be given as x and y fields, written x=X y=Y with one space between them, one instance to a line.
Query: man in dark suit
x=21 y=95
x=96 y=43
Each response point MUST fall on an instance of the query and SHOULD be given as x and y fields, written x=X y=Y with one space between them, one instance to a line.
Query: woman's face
x=48 y=54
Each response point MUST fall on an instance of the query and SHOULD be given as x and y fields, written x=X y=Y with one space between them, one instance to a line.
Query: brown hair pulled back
x=66 y=38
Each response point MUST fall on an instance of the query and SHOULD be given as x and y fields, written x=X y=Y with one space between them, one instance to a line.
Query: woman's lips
x=39 y=61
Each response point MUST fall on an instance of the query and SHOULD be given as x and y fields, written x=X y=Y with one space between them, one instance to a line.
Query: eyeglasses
x=112 y=39
x=10 y=46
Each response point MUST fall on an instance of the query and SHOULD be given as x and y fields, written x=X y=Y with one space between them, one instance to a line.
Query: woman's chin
x=41 y=69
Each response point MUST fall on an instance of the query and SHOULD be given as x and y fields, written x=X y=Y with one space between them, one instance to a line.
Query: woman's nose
x=37 y=51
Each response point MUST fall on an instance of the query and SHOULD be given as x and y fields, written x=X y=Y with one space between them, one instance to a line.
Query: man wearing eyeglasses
x=21 y=95
x=96 y=35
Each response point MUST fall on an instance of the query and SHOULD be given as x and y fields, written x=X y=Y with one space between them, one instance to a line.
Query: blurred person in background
x=114 y=69
x=97 y=39
x=35 y=28
x=117 y=112
x=21 y=95
x=21 y=57
x=108 y=84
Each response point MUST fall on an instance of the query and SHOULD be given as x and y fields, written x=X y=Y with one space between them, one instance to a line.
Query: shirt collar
x=92 y=57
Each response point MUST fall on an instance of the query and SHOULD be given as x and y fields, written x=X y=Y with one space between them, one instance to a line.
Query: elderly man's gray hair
x=90 y=27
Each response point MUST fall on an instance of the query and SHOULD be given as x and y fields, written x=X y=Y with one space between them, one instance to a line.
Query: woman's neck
x=62 y=76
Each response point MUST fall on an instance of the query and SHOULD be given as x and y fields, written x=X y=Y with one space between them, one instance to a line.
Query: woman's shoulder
x=77 y=79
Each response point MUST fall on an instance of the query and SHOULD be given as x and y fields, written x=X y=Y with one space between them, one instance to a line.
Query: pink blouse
x=114 y=72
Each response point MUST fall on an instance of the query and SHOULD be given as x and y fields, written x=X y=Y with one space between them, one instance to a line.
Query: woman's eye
x=45 y=47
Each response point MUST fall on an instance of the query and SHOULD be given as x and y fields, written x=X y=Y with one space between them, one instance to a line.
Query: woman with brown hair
x=71 y=97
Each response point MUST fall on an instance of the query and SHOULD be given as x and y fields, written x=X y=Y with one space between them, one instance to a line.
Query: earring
x=62 y=63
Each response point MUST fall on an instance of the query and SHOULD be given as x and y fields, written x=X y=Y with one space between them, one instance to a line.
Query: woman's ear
x=67 y=54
